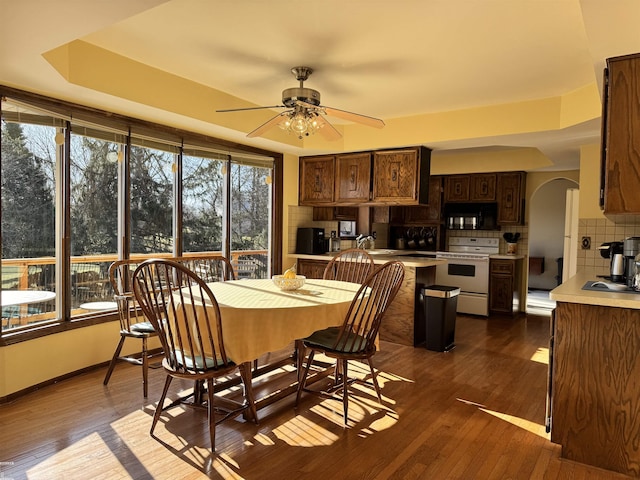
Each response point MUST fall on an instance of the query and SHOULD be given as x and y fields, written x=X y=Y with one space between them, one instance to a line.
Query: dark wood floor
x=476 y=412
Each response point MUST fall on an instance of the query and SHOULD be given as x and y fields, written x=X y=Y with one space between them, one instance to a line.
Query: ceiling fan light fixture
x=304 y=117
x=301 y=123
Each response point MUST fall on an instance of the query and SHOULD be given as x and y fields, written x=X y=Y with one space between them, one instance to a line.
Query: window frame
x=137 y=129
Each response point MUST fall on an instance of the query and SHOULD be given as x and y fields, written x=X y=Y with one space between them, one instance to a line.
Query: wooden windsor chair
x=356 y=338
x=185 y=314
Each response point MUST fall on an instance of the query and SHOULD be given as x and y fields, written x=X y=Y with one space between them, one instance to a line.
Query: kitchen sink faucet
x=365 y=242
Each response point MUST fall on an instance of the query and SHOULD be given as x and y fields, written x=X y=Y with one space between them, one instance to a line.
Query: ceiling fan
x=304 y=114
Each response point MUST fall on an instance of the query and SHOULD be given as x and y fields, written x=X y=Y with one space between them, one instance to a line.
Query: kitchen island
x=595 y=375
x=399 y=324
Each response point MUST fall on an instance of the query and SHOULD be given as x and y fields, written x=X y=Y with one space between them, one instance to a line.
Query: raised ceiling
x=416 y=64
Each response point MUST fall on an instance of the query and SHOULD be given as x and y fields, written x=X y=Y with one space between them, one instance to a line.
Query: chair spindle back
x=172 y=298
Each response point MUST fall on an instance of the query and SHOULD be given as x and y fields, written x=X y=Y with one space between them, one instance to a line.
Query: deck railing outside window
x=89 y=282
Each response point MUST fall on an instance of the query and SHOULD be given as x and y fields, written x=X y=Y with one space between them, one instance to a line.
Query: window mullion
x=178 y=245
x=63 y=226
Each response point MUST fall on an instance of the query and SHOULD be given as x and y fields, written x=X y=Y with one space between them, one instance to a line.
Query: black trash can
x=439 y=306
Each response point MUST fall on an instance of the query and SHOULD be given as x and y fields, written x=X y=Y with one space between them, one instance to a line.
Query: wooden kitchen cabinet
x=401 y=176
x=353 y=178
x=504 y=286
x=510 y=197
x=392 y=177
x=317 y=179
x=311 y=268
x=620 y=155
x=483 y=187
x=427 y=214
x=477 y=187
x=457 y=188
x=595 y=395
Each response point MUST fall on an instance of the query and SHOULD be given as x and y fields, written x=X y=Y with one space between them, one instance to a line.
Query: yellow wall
x=487 y=160
x=290 y=197
x=36 y=361
x=590 y=182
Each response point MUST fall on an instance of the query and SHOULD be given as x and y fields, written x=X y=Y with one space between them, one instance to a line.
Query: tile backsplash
x=600 y=230
x=303 y=217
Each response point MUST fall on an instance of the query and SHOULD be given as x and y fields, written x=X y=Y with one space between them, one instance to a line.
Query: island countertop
x=571 y=292
x=383 y=256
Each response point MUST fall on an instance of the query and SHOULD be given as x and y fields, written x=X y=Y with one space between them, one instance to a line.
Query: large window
x=94 y=217
x=250 y=218
x=78 y=194
x=151 y=200
x=28 y=221
x=202 y=203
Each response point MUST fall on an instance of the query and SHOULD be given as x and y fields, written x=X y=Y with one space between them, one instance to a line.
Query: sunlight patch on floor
x=541 y=356
x=64 y=463
x=528 y=425
x=535 y=428
x=223 y=464
x=263 y=439
x=302 y=432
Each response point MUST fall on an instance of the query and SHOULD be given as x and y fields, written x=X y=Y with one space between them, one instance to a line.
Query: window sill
x=50 y=328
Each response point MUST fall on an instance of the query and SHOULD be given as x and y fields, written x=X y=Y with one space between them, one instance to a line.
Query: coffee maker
x=615 y=252
x=630 y=250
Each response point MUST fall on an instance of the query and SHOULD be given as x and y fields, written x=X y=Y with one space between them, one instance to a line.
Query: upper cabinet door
x=621 y=136
x=353 y=178
x=457 y=188
x=511 y=187
x=317 y=177
x=483 y=187
x=402 y=176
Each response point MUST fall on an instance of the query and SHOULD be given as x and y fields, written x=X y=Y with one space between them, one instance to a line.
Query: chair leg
x=374 y=378
x=245 y=373
x=156 y=415
x=303 y=381
x=212 y=413
x=337 y=374
x=114 y=360
x=145 y=367
x=299 y=352
x=345 y=389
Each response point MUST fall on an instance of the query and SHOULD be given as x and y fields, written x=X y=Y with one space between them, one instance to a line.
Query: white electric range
x=467 y=267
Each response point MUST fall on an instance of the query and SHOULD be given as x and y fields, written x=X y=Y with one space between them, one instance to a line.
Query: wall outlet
x=586 y=243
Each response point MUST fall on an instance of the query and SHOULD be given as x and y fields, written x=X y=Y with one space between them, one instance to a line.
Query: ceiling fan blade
x=266 y=126
x=327 y=130
x=248 y=108
x=354 y=117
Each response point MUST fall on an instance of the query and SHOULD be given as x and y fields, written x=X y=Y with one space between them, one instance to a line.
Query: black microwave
x=311 y=241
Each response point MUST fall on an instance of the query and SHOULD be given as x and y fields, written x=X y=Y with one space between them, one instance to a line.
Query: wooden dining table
x=258 y=318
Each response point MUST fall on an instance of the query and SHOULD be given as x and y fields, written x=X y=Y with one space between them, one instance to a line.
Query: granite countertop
x=571 y=291
x=381 y=256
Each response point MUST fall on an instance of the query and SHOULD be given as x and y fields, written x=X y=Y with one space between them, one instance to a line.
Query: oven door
x=469 y=274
